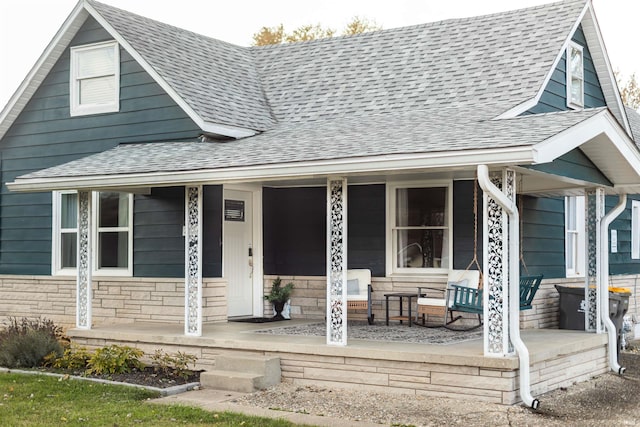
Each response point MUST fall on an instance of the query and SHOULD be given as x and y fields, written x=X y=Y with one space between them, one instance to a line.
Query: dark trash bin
x=572 y=307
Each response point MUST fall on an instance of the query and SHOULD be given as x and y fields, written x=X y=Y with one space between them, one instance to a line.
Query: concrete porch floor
x=558 y=358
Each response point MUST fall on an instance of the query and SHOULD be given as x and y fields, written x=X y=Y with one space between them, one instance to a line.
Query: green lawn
x=34 y=400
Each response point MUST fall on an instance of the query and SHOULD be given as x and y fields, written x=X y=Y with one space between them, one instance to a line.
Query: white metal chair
x=359 y=291
x=440 y=306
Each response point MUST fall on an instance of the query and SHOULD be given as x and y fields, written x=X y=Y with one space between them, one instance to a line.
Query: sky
x=26 y=27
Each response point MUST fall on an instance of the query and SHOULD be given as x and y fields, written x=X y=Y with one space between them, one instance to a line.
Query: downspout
x=605 y=222
x=514 y=284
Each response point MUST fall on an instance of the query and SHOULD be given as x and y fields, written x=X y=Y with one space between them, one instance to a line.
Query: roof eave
x=42 y=67
x=603 y=140
x=284 y=171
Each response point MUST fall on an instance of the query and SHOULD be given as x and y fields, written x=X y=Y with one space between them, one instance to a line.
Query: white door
x=238 y=252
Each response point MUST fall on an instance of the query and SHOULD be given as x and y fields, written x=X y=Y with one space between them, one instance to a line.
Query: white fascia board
x=299 y=170
x=603 y=67
x=519 y=109
x=601 y=123
x=207 y=127
x=41 y=68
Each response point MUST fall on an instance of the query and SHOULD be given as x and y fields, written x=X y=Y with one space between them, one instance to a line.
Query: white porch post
x=193 y=262
x=594 y=212
x=83 y=282
x=496 y=268
x=337 y=261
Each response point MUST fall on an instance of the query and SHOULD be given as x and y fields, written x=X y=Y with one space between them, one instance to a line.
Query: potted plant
x=278 y=296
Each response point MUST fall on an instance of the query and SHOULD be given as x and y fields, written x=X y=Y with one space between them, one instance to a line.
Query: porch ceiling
x=442 y=143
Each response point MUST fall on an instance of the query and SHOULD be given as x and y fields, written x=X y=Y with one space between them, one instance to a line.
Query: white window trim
x=55 y=240
x=56 y=231
x=74 y=94
x=392 y=270
x=635 y=229
x=570 y=103
x=111 y=271
x=580 y=232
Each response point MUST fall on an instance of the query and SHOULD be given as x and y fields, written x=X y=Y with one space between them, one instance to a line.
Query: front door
x=238 y=252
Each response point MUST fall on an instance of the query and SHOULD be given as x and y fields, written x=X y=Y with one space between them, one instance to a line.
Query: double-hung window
x=65 y=237
x=420 y=231
x=112 y=236
x=635 y=229
x=95 y=79
x=575 y=76
x=575 y=235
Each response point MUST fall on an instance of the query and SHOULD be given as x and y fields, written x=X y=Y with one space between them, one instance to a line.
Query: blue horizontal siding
x=45 y=135
x=554 y=96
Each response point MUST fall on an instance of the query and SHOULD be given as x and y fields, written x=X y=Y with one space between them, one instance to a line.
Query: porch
x=459 y=370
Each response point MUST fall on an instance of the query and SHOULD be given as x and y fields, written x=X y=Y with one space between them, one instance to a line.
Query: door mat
x=397 y=333
x=256 y=320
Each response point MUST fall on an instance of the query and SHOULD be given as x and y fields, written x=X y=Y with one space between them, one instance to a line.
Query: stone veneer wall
x=115 y=299
x=309 y=295
x=469 y=378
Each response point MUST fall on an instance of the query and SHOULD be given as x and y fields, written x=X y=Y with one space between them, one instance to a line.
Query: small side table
x=401 y=317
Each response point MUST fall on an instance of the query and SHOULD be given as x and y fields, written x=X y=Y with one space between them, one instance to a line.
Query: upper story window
x=575 y=76
x=575 y=235
x=635 y=229
x=419 y=227
x=95 y=79
x=112 y=234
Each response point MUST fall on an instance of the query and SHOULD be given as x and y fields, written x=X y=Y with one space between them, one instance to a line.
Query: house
x=152 y=174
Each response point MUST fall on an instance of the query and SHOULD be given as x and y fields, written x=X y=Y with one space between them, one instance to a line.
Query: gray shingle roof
x=634 y=122
x=500 y=59
x=217 y=79
x=331 y=139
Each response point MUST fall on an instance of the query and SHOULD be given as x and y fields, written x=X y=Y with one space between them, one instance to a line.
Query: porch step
x=242 y=373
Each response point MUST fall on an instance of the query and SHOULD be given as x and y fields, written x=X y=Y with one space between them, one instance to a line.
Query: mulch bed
x=146 y=377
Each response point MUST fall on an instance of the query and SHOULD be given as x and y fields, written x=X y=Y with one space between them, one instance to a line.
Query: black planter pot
x=278 y=306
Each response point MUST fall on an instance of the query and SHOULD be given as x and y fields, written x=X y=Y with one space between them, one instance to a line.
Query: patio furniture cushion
x=359 y=291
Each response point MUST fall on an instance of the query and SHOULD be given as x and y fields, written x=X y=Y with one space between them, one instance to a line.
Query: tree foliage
x=277 y=35
x=629 y=91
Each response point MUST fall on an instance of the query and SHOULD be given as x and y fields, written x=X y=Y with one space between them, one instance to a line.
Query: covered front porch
x=459 y=370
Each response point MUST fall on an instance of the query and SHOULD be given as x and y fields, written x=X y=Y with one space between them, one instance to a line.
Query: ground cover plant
x=39 y=343
x=36 y=400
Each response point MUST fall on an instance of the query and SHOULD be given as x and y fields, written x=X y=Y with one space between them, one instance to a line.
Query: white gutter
x=514 y=283
x=604 y=280
x=280 y=171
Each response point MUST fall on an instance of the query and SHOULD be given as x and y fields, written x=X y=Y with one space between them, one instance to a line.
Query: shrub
x=24 y=343
x=177 y=364
x=74 y=358
x=115 y=359
x=27 y=350
x=15 y=326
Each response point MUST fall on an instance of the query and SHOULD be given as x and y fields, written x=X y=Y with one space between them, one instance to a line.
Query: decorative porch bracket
x=337 y=261
x=496 y=268
x=594 y=213
x=83 y=282
x=193 y=262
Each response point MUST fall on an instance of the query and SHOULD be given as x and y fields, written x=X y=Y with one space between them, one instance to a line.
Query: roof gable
x=588 y=24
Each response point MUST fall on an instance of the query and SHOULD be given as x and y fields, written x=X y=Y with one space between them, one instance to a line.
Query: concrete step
x=263 y=365
x=242 y=373
x=231 y=381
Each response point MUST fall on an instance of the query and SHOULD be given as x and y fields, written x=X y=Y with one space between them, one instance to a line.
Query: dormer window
x=575 y=76
x=95 y=79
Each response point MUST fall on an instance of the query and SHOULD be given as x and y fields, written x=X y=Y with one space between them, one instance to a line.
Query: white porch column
x=496 y=268
x=337 y=261
x=193 y=262
x=83 y=282
x=594 y=212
